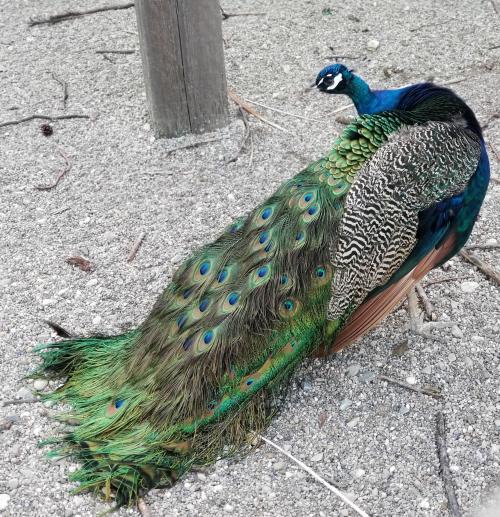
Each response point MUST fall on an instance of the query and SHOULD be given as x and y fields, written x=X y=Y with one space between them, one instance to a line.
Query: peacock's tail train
x=191 y=383
x=198 y=376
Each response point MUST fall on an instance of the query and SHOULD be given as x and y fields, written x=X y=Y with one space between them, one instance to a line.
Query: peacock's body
x=308 y=271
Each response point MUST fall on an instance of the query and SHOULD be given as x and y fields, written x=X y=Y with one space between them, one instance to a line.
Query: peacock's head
x=334 y=79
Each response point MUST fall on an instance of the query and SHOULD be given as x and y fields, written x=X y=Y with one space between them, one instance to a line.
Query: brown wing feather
x=374 y=310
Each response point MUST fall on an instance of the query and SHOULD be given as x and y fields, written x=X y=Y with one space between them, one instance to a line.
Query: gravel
x=124 y=182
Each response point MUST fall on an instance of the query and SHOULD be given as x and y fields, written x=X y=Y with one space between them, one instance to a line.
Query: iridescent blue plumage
x=455 y=215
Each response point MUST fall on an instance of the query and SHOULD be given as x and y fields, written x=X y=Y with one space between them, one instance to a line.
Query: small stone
x=40 y=384
x=491 y=242
x=468 y=362
x=469 y=287
x=477 y=339
x=373 y=44
x=228 y=508
x=452 y=357
x=456 y=332
x=497 y=423
x=231 y=197
x=279 y=466
x=346 y=403
x=201 y=476
x=353 y=370
x=97 y=320
x=411 y=379
x=317 y=457
x=68 y=513
x=92 y=282
x=48 y=301
x=400 y=349
x=404 y=410
x=13 y=484
x=24 y=393
x=4 y=501
x=146 y=127
x=424 y=504
x=359 y=473
x=427 y=370
x=286 y=69
x=353 y=423
x=368 y=377
x=108 y=236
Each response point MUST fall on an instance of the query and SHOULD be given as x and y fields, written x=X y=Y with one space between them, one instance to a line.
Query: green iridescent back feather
x=195 y=378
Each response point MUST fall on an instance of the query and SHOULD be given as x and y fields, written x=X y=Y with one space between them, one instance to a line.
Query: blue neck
x=369 y=101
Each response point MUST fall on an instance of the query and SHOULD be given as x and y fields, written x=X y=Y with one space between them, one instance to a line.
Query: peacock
x=305 y=273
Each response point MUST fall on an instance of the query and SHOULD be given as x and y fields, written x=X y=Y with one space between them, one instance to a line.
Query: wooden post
x=183 y=61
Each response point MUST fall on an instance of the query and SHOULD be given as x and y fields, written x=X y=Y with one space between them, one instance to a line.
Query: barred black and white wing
x=418 y=167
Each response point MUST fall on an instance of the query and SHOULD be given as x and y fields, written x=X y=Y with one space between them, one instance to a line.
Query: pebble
x=40 y=384
x=24 y=393
x=13 y=484
x=201 y=476
x=317 y=457
x=452 y=357
x=427 y=370
x=469 y=287
x=359 y=473
x=92 y=282
x=48 y=301
x=373 y=44
x=346 y=403
x=108 y=236
x=4 y=501
x=456 y=332
x=279 y=466
x=368 y=377
x=424 y=504
x=411 y=379
x=228 y=508
x=353 y=423
x=468 y=362
x=491 y=242
x=353 y=370
x=497 y=423
x=97 y=320
x=404 y=410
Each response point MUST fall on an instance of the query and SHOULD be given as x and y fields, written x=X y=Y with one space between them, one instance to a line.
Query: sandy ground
x=376 y=441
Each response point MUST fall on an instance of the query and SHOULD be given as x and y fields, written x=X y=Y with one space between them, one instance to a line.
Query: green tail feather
x=197 y=377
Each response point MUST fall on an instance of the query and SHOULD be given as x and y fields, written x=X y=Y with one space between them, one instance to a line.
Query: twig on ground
x=310 y=471
x=246 y=136
x=143 y=508
x=194 y=144
x=225 y=15
x=70 y=15
x=483 y=247
x=495 y=6
x=443 y=280
x=135 y=248
x=131 y=51
x=429 y=309
x=482 y=266
x=80 y=262
x=494 y=151
x=59 y=177
x=493 y=117
x=250 y=110
x=16 y=402
x=342 y=108
x=41 y=117
x=60 y=331
x=444 y=463
x=434 y=24
x=283 y=112
x=454 y=81
x=64 y=86
x=426 y=389
x=425 y=335
x=413 y=312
